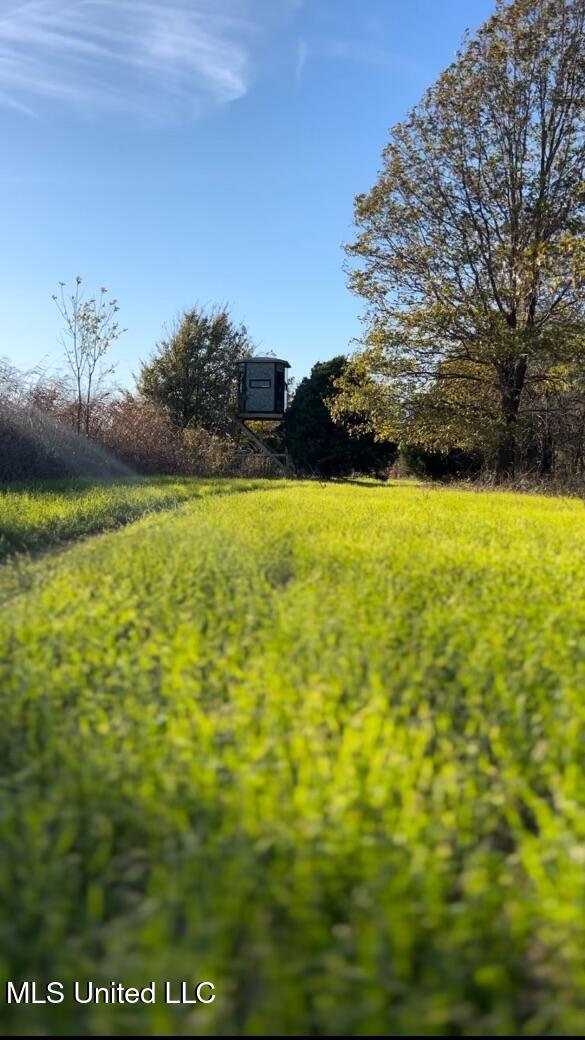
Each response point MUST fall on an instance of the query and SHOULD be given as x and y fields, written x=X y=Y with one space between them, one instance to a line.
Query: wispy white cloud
x=149 y=56
x=302 y=55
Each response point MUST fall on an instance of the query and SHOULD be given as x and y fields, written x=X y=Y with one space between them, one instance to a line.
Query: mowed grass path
x=323 y=746
x=34 y=516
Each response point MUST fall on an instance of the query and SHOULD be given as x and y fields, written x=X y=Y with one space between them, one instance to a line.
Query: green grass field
x=321 y=745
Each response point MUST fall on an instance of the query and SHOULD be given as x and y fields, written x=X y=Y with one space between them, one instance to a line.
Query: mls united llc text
x=177 y=992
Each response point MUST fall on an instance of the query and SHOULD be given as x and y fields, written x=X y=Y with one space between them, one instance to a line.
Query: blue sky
x=201 y=151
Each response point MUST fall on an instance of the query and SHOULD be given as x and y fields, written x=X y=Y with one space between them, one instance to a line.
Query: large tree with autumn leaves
x=470 y=251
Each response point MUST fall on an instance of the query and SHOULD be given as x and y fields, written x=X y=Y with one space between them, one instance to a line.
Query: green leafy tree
x=470 y=250
x=316 y=442
x=192 y=373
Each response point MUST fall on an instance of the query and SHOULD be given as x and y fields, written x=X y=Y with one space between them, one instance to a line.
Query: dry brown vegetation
x=38 y=437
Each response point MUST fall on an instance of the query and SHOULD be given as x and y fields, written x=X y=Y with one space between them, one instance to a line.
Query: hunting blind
x=262 y=394
x=262 y=391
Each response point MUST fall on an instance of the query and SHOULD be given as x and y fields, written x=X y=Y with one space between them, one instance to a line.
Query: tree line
x=179 y=417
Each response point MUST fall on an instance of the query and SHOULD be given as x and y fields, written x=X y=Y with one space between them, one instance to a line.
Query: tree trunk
x=512 y=375
x=548 y=455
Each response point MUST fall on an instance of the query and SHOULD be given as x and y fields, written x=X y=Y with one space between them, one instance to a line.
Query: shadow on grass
x=373 y=485
x=79 y=485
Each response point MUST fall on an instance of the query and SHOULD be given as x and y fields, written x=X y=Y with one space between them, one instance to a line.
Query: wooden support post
x=261 y=447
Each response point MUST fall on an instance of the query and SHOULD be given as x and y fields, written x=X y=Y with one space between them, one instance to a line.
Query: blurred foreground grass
x=322 y=746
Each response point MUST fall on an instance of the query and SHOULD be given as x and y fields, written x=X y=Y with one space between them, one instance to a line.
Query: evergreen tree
x=193 y=371
x=315 y=442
